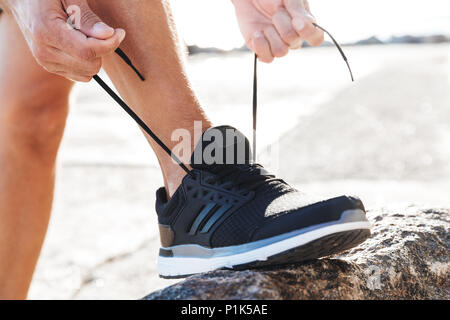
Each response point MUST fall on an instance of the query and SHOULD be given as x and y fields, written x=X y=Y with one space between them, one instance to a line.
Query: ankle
x=182 y=146
x=173 y=179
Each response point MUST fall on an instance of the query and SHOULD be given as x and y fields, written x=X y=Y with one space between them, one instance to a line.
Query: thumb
x=84 y=19
x=300 y=13
x=295 y=7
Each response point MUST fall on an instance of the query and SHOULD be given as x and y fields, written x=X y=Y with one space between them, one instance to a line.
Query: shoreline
x=373 y=40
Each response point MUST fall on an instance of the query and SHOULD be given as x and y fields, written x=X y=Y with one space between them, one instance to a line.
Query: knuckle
x=259 y=42
x=87 y=53
x=87 y=16
x=268 y=30
x=290 y=36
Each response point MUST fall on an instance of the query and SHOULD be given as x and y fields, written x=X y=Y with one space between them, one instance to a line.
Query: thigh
x=21 y=77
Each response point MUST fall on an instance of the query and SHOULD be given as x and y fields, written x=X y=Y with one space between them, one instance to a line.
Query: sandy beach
x=385 y=137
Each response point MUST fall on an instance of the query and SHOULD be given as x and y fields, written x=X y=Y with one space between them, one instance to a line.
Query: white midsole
x=178 y=266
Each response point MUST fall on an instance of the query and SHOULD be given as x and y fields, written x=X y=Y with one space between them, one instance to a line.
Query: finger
x=58 y=69
x=104 y=47
x=75 y=65
x=85 y=20
x=55 y=61
x=267 y=7
x=261 y=47
x=297 y=44
x=76 y=44
x=283 y=24
x=308 y=32
x=295 y=7
x=302 y=21
x=307 y=7
x=277 y=46
x=75 y=78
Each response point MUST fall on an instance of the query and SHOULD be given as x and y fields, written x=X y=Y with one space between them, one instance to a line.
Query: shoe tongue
x=221 y=145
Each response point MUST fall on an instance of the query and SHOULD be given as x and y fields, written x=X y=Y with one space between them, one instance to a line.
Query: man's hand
x=72 y=53
x=272 y=27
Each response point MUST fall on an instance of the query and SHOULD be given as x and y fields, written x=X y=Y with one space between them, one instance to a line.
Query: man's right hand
x=75 y=54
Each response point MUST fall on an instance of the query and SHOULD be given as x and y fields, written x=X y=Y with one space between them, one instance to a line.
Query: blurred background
x=385 y=137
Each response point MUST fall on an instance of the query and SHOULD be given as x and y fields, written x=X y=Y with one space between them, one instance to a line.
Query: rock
x=369 y=41
x=407 y=257
x=194 y=49
x=434 y=38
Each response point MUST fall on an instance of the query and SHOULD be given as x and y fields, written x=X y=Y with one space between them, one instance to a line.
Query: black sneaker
x=240 y=216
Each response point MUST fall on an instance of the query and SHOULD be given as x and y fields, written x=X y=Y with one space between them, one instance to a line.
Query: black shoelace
x=133 y=114
x=240 y=178
x=255 y=84
x=251 y=178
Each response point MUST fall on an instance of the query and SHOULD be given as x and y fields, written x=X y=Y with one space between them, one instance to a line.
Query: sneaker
x=235 y=214
x=240 y=216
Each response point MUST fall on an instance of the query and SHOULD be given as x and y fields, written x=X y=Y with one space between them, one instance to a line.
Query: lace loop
x=244 y=178
x=145 y=127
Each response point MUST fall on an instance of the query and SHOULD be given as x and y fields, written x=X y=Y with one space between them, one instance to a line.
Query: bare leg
x=32 y=118
x=33 y=109
x=165 y=100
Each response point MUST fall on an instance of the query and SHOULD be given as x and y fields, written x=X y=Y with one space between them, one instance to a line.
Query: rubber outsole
x=319 y=248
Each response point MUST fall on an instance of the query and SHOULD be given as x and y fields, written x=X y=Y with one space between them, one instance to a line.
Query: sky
x=212 y=23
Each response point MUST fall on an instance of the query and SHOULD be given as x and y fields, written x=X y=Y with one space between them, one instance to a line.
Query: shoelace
x=242 y=178
x=263 y=178
x=255 y=84
x=133 y=114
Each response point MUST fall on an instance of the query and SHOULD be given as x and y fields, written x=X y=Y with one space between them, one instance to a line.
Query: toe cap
x=318 y=213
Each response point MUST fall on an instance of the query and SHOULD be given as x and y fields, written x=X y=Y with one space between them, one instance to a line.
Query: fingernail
x=309 y=15
x=298 y=24
x=102 y=28
x=258 y=34
x=122 y=34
